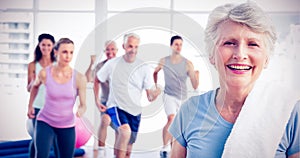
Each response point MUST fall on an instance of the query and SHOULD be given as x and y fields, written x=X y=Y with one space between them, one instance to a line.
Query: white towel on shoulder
x=261 y=123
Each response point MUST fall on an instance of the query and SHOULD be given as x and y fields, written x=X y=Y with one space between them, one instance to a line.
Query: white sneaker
x=101 y=152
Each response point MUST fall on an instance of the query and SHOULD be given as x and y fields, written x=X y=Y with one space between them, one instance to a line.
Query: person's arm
x=33 y=92
x=194 y=75
x=157 y=69
x=178 y=151
x=97 y=88
x=89 y=72
x=30 y=75
x=81 y=86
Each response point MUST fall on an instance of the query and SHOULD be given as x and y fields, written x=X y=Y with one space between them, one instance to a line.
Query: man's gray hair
x=108 y=42
x=126 y=36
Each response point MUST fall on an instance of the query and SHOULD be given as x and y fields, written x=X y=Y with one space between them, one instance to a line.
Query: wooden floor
x=91 y=153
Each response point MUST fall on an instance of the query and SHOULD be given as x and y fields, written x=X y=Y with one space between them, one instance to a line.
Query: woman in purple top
x=56 y=119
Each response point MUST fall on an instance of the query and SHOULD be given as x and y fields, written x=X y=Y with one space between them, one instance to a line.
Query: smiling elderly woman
x=241 y=118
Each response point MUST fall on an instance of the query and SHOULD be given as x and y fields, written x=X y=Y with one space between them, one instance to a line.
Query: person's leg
x=120 y=124
x=55 y=147
x=44 y=136
x=128 y=152
x=115 y=124
x=123 y=138
x=171 y=106
x=115 y=145
x=31 y=149
x=102 y=132
x=134 y=122
x=31 y=145
x=65 y=141
x=167 y=137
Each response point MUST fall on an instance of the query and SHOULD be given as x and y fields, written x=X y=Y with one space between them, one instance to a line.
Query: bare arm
x=30 y=75
x=89 y=72
x=33 y=92
x=81 y=86
x=157 y=69
x=178 y=151
x=194 y=75
x=97 y=88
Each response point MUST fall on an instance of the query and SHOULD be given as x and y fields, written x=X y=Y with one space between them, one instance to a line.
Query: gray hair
x=127 y=36
x=249 y=14
x=108 y=42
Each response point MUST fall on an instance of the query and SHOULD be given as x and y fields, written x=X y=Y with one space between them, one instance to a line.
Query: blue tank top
x=175 y=78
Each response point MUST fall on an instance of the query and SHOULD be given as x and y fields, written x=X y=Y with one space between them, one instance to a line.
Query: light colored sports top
x=60 y=99
x=39 y=100
x=175 y=78
x=126 y=83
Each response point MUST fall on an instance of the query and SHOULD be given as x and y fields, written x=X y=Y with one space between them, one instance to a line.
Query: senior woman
x=241 y=118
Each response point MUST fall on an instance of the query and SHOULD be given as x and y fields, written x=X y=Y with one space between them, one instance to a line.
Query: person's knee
x=105 y=120
x=124 y=131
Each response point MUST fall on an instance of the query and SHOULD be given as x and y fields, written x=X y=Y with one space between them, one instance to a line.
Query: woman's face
x=240 y=55
x=46 y=46
x=65 y=53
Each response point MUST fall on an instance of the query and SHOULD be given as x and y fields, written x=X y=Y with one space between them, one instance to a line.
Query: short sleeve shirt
x=126 y=82
x=199 y=128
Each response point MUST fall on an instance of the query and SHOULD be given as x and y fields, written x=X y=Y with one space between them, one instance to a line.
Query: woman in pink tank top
x=56 y=119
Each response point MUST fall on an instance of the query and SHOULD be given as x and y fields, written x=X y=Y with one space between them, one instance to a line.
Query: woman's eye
x=253 y=44
x=229 y=43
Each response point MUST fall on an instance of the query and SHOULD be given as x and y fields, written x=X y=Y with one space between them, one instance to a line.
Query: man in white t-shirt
x=127 y=76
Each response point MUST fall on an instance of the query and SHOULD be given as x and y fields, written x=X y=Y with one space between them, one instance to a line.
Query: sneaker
x=101 y=152
x=164 y=154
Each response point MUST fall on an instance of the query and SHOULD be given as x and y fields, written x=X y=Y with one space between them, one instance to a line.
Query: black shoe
x=163 y=154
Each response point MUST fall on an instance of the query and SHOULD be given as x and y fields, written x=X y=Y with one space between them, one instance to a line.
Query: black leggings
x=45 y=135
x=31 y=145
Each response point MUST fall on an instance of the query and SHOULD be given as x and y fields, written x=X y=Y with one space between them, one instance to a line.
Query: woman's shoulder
x=31 y=65
x=204 y=97
x=81 y=79
x=79 y=75
x=199 y=102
